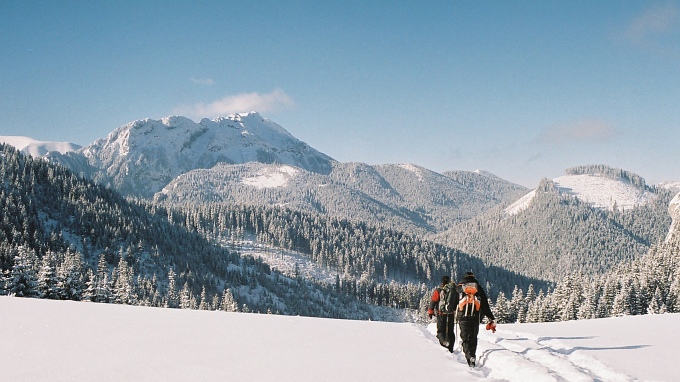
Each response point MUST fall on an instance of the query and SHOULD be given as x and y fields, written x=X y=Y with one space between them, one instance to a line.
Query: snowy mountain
x=38 y=148
x=404 y=196
x=566 y=227
x=151 y=344
x=596 y=187
x=143 y=156
x=244 y=158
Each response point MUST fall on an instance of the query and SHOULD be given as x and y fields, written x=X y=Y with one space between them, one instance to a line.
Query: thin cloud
x=653 y=25
x=273 y=101
x=202 y=81
x=578 y=132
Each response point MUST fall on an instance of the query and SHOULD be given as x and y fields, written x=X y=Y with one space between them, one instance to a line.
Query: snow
x=670 y=185
x=521 y=204
x=599 y=191
x=285 y=261
x=270 y=177
x=412 y=168
x=603 y=192
x=37 y=148
x=79 y=341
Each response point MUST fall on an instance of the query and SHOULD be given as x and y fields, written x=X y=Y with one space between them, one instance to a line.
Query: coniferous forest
x=65 y=237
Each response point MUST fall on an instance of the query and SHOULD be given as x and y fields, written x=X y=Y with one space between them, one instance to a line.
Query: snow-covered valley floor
x=45 y=340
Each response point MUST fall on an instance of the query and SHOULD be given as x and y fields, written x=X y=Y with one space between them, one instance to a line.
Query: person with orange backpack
x=444 y=302
x=473 y=305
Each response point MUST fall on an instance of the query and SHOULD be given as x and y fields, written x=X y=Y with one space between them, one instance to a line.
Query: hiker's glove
x=491 y=326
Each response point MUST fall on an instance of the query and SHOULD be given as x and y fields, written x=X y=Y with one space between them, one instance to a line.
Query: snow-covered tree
x=47 y=277
x=204 y=303
x=23 y=280
x=228 y=302
x=172 y=299
x=70 y=277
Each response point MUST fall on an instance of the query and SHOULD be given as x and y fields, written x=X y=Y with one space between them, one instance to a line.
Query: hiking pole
x=455 y=332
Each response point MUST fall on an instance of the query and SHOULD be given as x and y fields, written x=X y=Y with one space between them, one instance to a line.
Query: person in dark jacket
x=472 y=307
x=445 y=315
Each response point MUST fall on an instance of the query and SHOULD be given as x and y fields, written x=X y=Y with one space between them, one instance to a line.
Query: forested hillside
x=647 y=285
x=558 y=234
x=355 y=250
x=64 y=237
x=406 y=198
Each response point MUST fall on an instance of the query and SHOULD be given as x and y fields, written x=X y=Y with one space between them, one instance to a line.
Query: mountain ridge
x=143 y=156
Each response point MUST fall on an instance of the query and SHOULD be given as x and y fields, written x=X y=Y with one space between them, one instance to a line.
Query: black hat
x=446 y=279
x=469 y=274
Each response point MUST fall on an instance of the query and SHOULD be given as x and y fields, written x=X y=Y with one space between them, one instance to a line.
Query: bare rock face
x=674 y=211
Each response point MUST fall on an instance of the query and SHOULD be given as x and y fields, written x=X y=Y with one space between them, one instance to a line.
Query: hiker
x=443 y=303
x=472 y=307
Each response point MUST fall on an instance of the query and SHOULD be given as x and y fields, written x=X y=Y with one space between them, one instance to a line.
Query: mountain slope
x=549 y=233
x=404 y=197
x=37 y=148
x=143 y=156
x=599 y=186
x=238 y=159
x=121 y=251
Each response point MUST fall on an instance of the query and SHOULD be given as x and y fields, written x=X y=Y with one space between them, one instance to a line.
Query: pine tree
x=501 y=309
x=621 y=305
x=23 y=281
x=3 y=282
x=123 y=286
x=204 y=304
x=102 y=284
x=518 y=306
x=47 y=278
x=656 y=306
x=69 y=277
x=228 y=302
x=90 y=292
x=172 y=300
x=186 y=299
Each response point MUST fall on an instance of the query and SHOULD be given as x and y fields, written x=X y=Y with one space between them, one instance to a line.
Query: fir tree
x=228 y=302
x=172 y=299
x=47 y=278
x=23 y=281
x=69 y=277
x=501 y=309
x=204 y=303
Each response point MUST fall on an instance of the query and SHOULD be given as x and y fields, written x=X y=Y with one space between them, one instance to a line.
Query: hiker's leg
x=466 y=334
x=473 y=339
x=441 y=329
x=451 y=325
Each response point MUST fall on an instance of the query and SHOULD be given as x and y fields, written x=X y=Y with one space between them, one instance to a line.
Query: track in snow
x=514 y=356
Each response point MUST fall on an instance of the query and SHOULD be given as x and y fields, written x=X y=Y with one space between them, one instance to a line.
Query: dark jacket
x=485 y=309
x=434 y=301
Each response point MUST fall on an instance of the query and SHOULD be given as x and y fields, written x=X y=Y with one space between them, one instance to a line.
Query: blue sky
x=523 y=89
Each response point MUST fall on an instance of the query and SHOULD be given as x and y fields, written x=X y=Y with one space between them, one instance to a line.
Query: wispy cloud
x=202 y=81
x=578 y=132
x=654 y=25
x=276 y=100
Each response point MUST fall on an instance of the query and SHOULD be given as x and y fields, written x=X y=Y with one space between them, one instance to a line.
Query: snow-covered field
x=45 y=340
x=286 y=261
